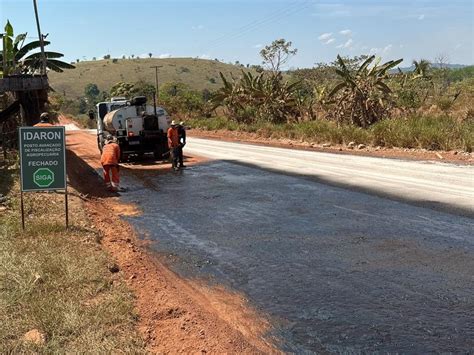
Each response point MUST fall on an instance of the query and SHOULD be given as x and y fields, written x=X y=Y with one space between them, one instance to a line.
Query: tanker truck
x=138 y=127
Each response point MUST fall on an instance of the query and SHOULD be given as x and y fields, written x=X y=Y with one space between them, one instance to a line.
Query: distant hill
x=435 y=65
x=199 y=74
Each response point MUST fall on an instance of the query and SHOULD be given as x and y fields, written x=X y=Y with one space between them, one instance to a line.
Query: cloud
x=198 y=27
x=348 y=44
x=259 y=45
x=325 y=36
x=164 y=56
x=329 y=41
x=204 y=56
x=382 y=51
x=421 y=17
x=346 y=32
x=387 y=49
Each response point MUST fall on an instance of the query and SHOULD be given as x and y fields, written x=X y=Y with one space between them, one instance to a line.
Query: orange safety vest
x=173 y=137
x=43 y=124
x=110 y=154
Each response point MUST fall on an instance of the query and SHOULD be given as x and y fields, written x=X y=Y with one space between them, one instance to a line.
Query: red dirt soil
x=175 y=314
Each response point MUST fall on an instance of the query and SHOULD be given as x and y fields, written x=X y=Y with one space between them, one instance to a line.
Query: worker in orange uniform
x=44 y=121
x=110 y=163
x=173 y=144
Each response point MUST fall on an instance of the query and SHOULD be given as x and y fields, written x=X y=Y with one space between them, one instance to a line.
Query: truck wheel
x=157 y=155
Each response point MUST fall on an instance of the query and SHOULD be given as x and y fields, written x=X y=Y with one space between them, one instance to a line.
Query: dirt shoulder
x=175 y=315
x=457 y=157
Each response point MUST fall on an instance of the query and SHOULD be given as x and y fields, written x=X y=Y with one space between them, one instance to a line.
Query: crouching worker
x=110 y=163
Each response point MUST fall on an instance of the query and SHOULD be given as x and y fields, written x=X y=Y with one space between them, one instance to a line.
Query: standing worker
x=44 y=121
x=173 y=144
x=182 y=143
x=110 y=163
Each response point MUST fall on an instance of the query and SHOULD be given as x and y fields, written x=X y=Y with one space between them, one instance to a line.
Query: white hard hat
x=173 y=123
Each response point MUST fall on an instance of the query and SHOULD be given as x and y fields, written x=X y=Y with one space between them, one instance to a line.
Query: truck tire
x=157 y=155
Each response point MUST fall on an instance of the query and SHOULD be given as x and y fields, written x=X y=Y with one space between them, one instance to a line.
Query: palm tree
x=16 y=57
x=422 y=68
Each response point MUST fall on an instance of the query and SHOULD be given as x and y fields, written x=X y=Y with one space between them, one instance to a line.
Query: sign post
x=43 y=162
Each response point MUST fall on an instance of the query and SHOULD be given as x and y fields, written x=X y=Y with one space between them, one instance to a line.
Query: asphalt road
x=313 y=242
x=429 y=183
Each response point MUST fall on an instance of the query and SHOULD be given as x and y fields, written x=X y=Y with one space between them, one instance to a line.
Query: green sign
x=43 y=158
x=43 y=177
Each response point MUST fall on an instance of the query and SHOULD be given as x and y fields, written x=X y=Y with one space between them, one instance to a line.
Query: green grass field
x=199 y=74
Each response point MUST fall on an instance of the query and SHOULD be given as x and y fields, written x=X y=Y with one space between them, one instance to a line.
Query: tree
x=107 y=56
x=16 y=56
x=144 y=88
x=277 y=54
x=150 y=55
x=422 y=68
x=442 y=60
x=362 y=96
x=94 y=58
x=123 y=89
x=91 y=90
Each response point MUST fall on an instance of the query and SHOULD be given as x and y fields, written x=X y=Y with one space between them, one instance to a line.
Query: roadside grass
x=424 y=132
x=58 y=283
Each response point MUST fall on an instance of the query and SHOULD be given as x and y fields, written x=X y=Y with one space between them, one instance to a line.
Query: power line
x=243 y=30
x=253 y=23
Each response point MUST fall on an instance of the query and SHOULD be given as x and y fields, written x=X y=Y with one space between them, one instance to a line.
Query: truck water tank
x=116 y=120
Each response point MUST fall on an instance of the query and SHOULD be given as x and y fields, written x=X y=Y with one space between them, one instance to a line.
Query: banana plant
x=362 y=95
x=266 y=97
x=16 y=56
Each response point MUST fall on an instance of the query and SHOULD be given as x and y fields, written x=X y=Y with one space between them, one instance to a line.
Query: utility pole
x=156 y=81
x=41 y=39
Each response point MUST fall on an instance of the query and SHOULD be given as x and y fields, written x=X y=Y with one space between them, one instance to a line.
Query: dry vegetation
x=56 y=286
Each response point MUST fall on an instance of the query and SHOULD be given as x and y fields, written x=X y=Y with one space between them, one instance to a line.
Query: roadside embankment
x=58 y=291
x=419 y=138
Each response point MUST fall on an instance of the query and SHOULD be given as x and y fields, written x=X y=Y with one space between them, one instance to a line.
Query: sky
x=236 y=30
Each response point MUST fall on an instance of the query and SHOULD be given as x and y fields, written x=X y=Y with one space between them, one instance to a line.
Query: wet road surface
x=336 y=270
